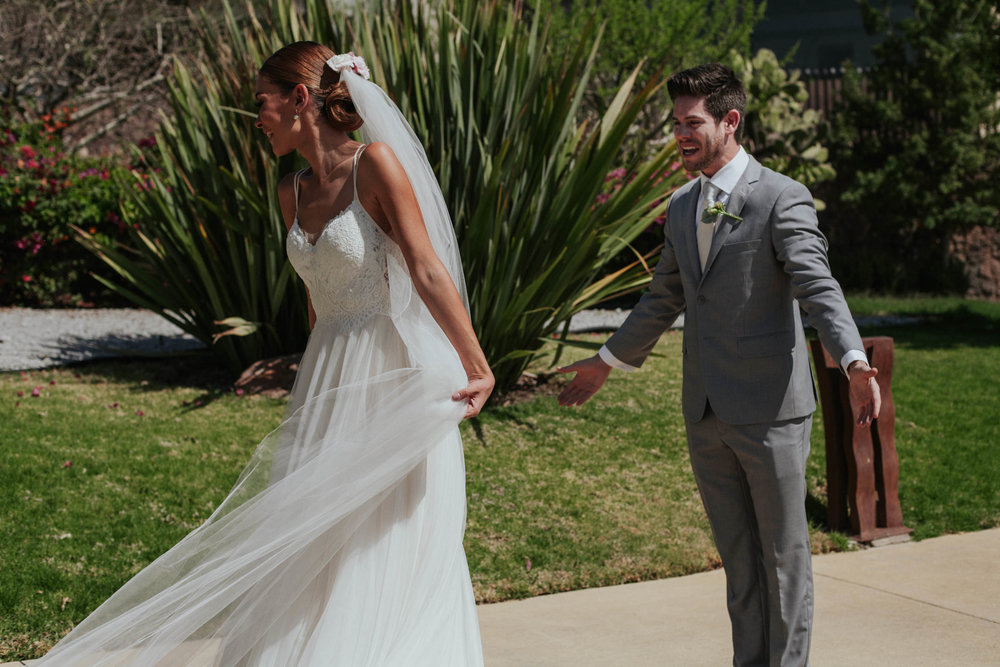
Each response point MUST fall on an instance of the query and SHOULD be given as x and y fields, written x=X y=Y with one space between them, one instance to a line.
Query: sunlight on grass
x=562 y=498
x=114 y=462
x=946 y=385
x=104 y=470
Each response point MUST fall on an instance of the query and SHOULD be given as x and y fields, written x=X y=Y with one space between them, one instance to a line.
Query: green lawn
x=115 y=461
x=946 y=385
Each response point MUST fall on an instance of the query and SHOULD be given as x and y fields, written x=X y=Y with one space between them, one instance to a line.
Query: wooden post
x=862 y=469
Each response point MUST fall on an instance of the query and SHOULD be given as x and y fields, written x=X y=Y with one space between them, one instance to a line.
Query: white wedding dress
x=341 y=543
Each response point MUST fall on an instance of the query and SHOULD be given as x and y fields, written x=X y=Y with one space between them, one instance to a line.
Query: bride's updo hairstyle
x=305 y=63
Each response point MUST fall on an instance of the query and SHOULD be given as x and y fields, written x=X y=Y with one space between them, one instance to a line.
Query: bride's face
x=276 y=116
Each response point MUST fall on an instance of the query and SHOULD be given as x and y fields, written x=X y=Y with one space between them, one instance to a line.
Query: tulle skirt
x=340 y=544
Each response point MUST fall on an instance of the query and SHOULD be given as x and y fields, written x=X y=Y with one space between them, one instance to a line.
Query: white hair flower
x=348 y=60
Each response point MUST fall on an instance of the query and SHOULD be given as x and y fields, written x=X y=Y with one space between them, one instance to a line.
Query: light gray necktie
x=706 y=224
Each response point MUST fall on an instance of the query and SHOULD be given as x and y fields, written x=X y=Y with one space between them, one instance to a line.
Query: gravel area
x=610 y=320
x=38 y=338
x=31 y=338
x=605 y=320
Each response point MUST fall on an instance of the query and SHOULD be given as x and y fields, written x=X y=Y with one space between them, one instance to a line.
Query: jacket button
x=701 y=299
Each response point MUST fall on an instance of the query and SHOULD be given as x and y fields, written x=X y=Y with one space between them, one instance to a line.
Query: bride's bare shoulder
x=381 y=154
x=379 y=166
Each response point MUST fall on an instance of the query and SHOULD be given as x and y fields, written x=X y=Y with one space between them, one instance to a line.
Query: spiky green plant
x=207 y=238
x=497 y=105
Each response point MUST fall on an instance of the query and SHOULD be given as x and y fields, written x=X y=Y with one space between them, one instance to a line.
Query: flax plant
x=497 y=104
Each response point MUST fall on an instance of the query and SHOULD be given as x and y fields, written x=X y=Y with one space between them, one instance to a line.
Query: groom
x=742 y=255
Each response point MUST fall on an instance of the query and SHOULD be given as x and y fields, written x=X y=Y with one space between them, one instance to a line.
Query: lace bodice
x=345 y=267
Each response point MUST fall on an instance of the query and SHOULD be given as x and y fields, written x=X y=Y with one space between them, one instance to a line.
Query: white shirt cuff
x=850 y=357
x=605 y=354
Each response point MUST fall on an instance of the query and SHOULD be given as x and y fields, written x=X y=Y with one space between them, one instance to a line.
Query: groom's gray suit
x=748 y=394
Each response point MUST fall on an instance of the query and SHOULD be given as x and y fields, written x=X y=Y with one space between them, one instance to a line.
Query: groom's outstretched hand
x=864 y=393
x=590 y=376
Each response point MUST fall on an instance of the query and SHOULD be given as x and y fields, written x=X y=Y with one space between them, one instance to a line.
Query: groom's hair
x=719 y=86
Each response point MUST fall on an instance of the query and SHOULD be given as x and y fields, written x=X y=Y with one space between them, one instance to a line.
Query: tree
x=916 y=145
x=666 y=34
x=106 y=59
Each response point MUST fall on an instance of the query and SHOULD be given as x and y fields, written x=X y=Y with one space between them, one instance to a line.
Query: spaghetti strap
x=354 y=169
x=298 y=174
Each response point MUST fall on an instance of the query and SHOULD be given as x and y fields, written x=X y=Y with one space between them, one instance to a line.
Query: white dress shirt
x=725 y=180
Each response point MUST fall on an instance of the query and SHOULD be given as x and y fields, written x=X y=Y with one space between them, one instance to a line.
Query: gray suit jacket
x=744 y=347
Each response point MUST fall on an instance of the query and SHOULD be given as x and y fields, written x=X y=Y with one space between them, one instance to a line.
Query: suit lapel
x=741 y=193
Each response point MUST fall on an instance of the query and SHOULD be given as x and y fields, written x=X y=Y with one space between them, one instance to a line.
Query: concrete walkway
x=935 y=602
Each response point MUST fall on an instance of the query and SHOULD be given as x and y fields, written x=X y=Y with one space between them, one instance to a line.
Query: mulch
x=274 y=378
x=270 y=377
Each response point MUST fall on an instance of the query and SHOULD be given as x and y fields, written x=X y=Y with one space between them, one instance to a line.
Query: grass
x=107 y=468
x=115 y=461
x=946 y=386
x=562 y=499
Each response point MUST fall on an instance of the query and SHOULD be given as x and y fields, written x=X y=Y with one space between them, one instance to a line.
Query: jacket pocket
x=739 y=247
x=766 y=345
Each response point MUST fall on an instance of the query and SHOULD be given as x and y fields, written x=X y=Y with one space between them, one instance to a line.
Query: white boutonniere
x=716 y=209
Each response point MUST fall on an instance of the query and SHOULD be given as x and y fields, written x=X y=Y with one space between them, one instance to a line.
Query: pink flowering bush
x=651 y=238
x=44 y=190
x=667 y=180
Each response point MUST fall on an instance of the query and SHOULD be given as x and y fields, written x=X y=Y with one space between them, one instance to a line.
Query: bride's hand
x=476 y=393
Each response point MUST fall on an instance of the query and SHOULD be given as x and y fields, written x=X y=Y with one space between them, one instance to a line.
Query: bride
x=341 y=542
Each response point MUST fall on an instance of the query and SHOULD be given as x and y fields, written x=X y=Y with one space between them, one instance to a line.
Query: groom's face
x=700 y=138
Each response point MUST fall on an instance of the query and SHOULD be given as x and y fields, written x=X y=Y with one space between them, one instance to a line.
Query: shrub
x=500 y=116
x=206 y=238
x=494 y=100
x=668 y=34
x=780 y=131
x=916 y=145
x=43 y=191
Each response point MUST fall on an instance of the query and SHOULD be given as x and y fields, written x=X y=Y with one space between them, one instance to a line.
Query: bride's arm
x=387 y=195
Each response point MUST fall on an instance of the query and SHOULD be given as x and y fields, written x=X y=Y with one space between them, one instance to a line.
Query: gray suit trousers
x=761 y=532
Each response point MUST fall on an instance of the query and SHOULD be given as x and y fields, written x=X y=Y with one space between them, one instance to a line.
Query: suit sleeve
x=802 y=250
x=656 y=311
